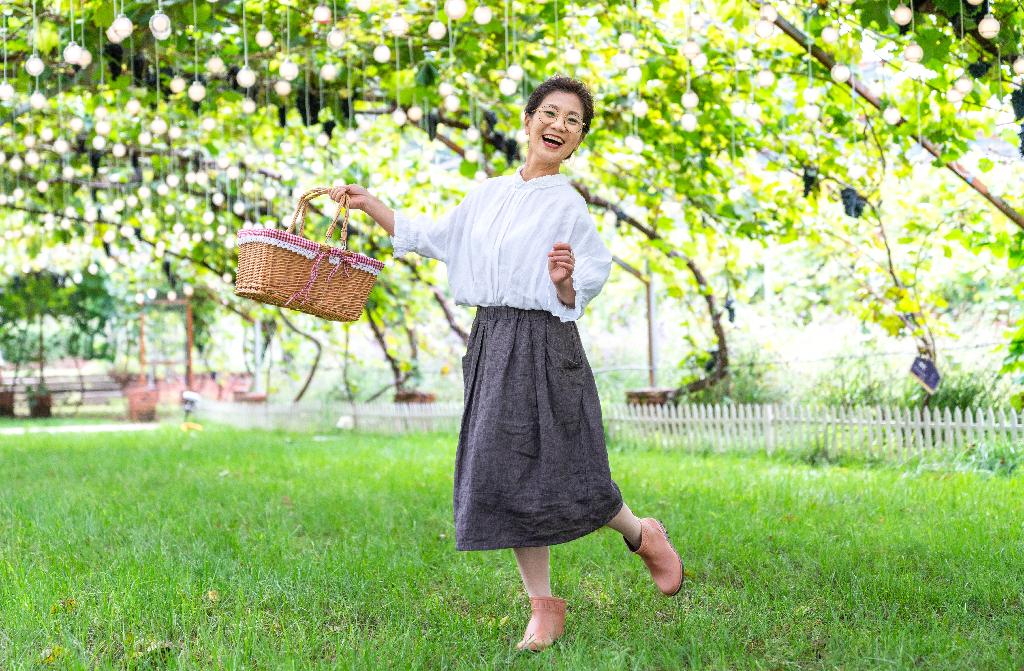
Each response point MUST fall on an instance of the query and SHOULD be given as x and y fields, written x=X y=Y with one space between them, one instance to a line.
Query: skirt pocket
x=519 y=437
x=565 y=389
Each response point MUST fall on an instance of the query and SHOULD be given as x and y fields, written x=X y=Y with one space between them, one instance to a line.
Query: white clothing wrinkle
x=495 y=244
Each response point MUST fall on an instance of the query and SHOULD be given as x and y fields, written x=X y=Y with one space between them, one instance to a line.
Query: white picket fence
x=882 y=432
x=869 y=431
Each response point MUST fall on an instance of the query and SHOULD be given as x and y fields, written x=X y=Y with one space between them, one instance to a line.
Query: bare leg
x=535 y=569
x=627 y=524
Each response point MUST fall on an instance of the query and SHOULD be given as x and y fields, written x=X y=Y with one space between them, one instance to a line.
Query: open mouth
x=552 y=141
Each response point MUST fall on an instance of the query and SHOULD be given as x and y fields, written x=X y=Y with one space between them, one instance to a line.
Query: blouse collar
x=538 y=182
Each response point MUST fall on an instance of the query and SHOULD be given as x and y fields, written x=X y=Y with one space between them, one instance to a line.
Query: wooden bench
x=67 y=389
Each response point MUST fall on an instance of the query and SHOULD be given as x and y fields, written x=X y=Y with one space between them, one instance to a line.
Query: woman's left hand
x=561 y=263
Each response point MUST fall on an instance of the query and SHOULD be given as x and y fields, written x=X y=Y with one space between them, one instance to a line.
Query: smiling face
x=555 y=129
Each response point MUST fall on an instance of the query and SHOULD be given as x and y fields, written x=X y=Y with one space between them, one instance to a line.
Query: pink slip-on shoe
x=547 y=623
x=661 y=558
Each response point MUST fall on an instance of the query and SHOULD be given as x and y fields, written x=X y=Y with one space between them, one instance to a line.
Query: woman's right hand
x=358 y=197
x=361 y=199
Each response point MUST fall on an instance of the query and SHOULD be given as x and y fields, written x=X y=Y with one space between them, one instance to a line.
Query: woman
x=531 y=469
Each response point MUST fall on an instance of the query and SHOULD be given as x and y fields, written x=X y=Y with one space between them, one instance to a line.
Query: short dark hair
x=566 y=85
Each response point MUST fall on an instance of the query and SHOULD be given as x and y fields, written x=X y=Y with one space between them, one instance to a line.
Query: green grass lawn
x=235 y=549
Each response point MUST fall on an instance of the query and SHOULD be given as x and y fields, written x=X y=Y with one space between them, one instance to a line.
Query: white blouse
x=495 y=244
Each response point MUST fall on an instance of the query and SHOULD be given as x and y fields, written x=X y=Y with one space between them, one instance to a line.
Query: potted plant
x=40 y=400
x=142 y=402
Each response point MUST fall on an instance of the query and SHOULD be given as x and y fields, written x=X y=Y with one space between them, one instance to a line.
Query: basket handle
x=299 y=218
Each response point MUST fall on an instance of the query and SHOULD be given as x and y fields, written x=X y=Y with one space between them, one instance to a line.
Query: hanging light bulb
x=160 y=25
x=381 y=53
x=61 y=146
x=688 y=122
x=621 y=60
x=636 y=145
x=634 y=74
x=246 y=77
x=812 y=94
x=72 y=53
x=264 y=38
x=122 y=26
x=483 y=15
x=113 y=36
x=507 y=86
x=744 y=55
x=690 y=49
x=988 y=27
x=248 y=106
x=769 y=13
x=472 y=134
x=445 y=89
x=573 y=56
x=451 y=103
x=964 y=84
x=902 y=15
x=515 y=72
x=640 y=108
x=84 y=57
x=1018 y=65
x=196 y=91
x=177 y=84
x=840 y=73
x=335 y=39
x=436 y=30
x=118 y=150
x=627 y=41
x=891 y=115
x=913 y=53
x=415 y=113
x=6 y=91
x=34 y=65
x=322 y=14
x=76 y=124
x=829 y=35
x=328 y=72
x=399 y=117
x=765 y=78
x=158 y=126
x=954 y=96
x=398 y=25
x=282 y=87
x=99 y=142
x=37 y=100
x=215 y=66
x=690 y=100
x=764 y=29
x=102 y=127
x=812 y=112
x=975 y=2
x=288 y=69
x=455 y=9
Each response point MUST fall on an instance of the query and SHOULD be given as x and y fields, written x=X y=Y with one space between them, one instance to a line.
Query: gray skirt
x=531 y=467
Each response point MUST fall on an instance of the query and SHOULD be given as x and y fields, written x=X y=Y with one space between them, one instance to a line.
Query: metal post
x=188 y=352
x=142 y=346
x=257 y=358
x=652 y=346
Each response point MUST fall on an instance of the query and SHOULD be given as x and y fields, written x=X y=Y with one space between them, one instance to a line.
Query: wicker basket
x=283 y=268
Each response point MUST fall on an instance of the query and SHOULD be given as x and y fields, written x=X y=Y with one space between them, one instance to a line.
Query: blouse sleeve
x=593 y=265
x=427 y=237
